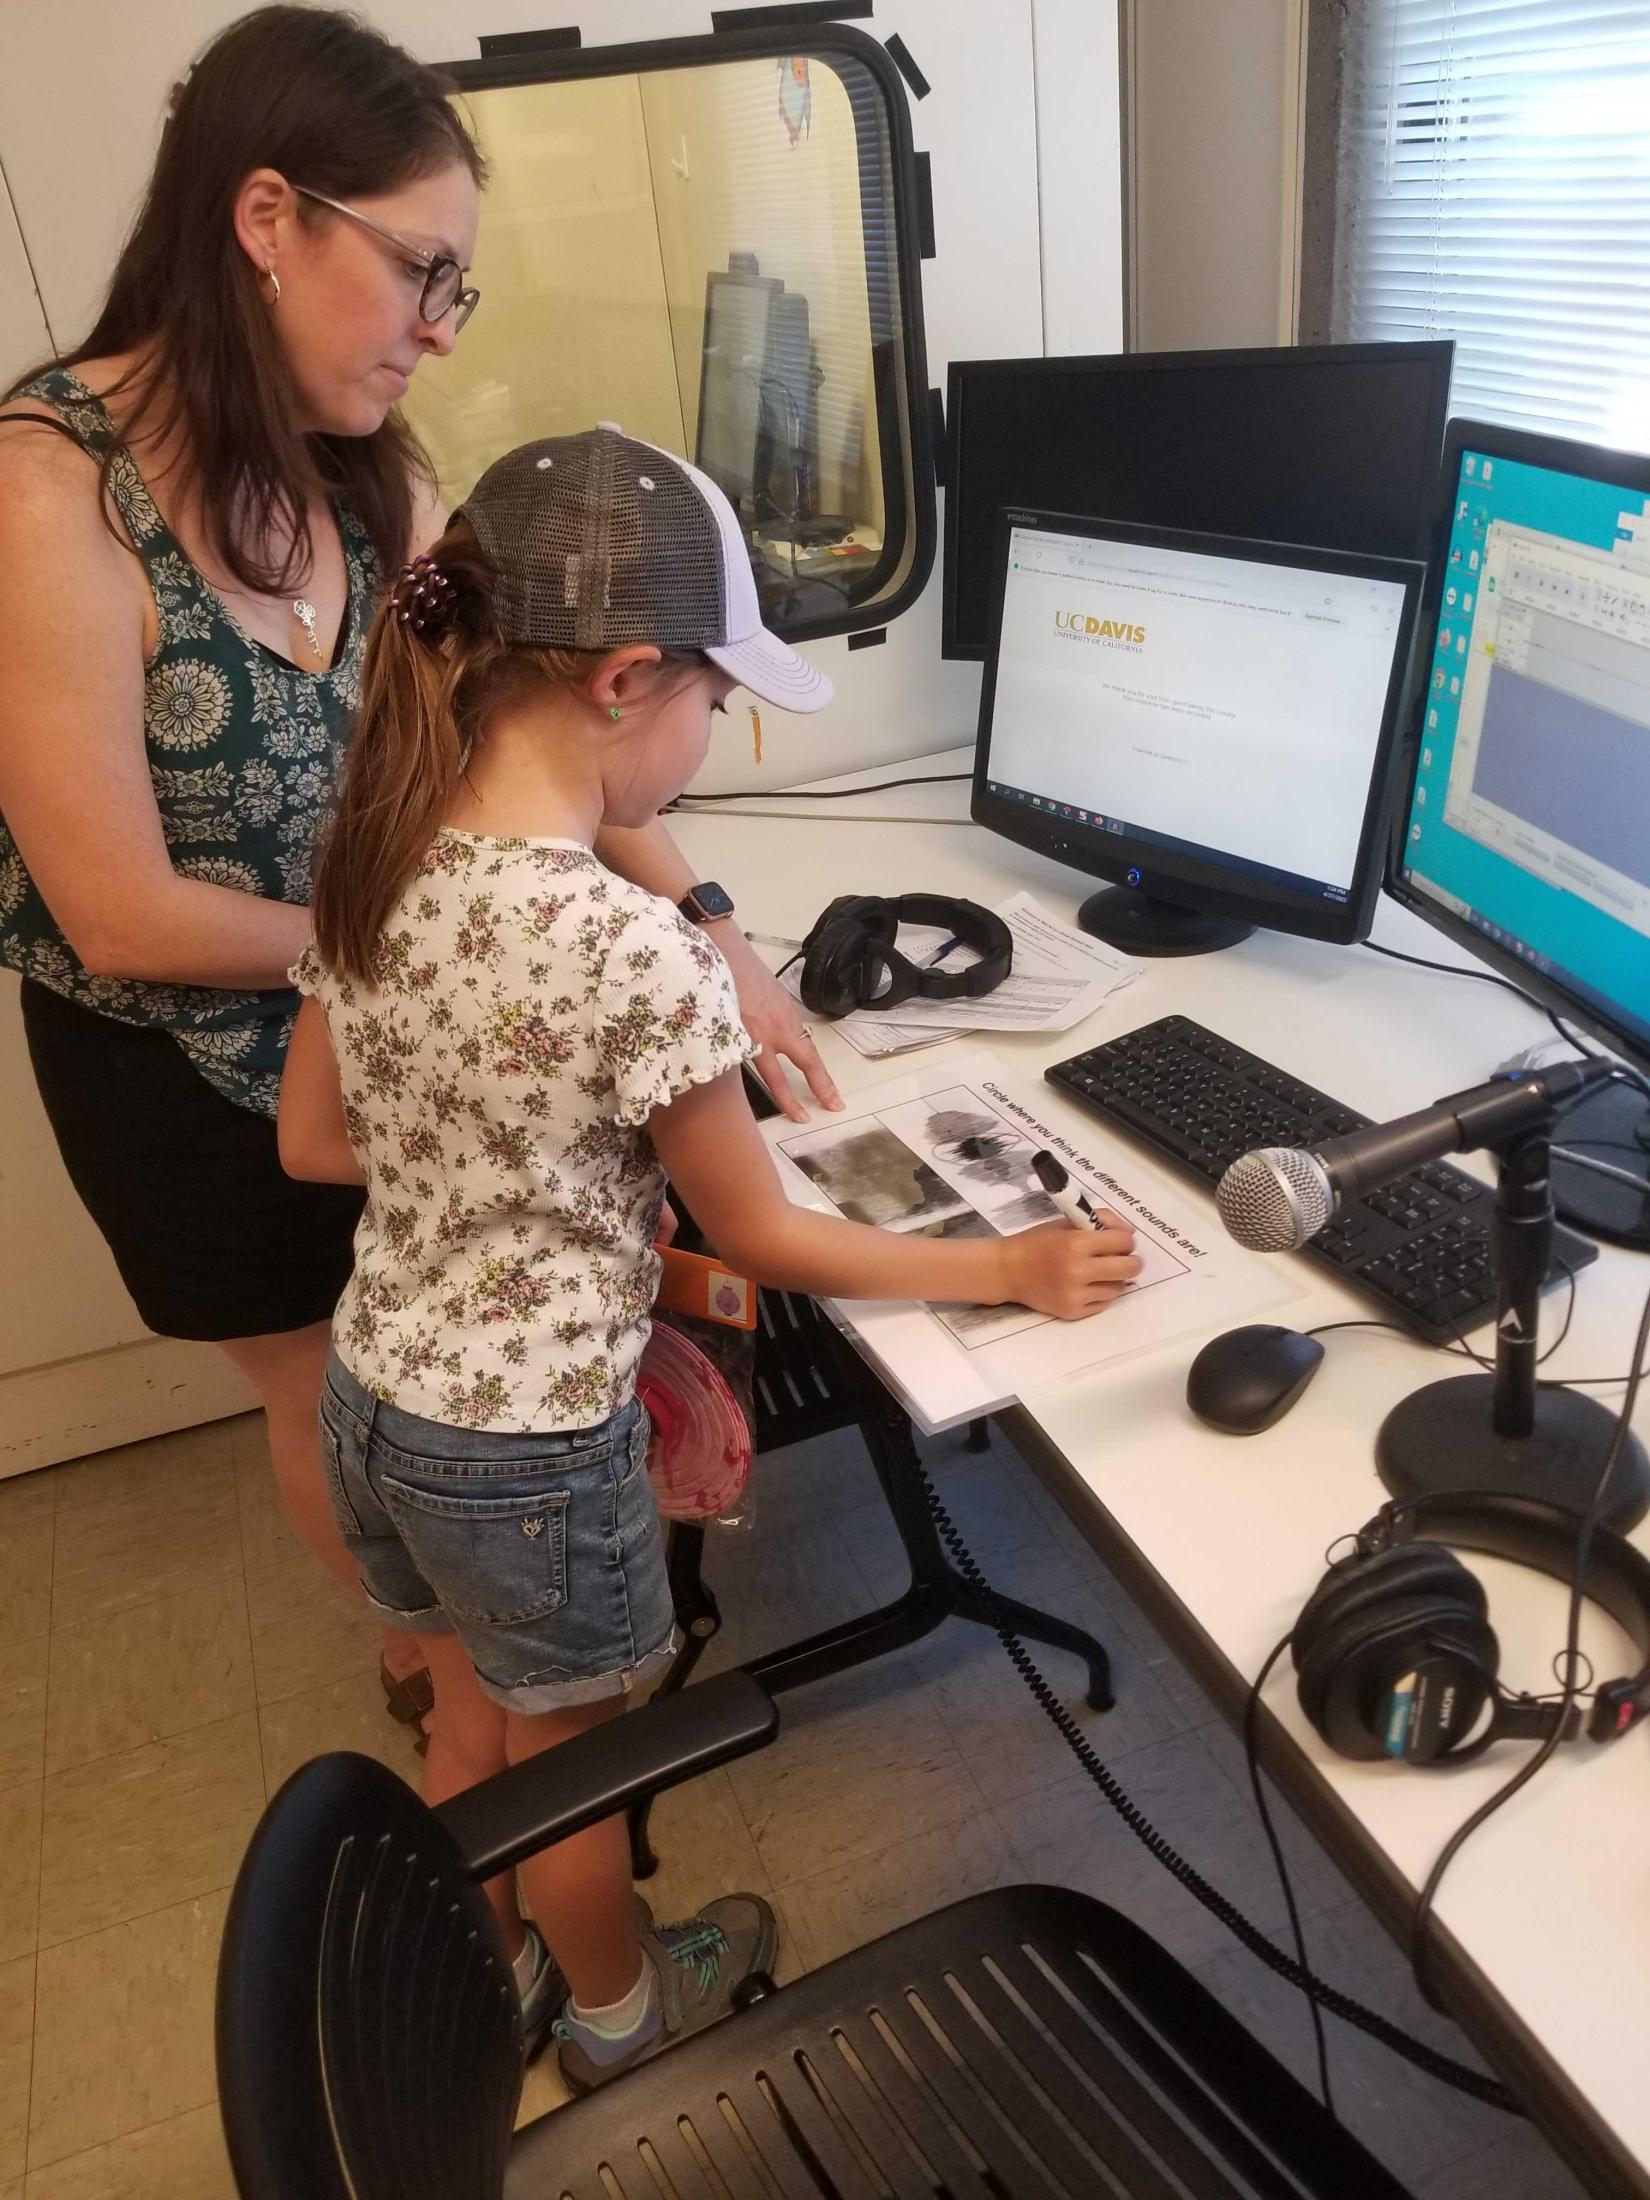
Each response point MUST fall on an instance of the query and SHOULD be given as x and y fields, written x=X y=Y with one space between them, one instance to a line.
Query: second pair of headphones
x=849 y=959
x=1394 y=1652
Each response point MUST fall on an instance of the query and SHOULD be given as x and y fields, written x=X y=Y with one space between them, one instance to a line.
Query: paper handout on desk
x=946 y=1151
x=1060 y=975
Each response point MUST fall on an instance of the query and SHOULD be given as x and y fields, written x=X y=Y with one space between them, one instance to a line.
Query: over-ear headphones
x=1394 y=1652
x=849 y=959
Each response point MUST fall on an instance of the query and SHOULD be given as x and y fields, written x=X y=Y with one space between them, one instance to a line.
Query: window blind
x=1494 y=186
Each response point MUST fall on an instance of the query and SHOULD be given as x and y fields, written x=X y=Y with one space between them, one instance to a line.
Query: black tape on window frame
x=899 y=53
x=560 y=39
x=788 y=12
x=936 y=434
x=868 y=637
x=925 y=206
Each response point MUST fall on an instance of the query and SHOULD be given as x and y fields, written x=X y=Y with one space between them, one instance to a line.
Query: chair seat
x=1026 y=2044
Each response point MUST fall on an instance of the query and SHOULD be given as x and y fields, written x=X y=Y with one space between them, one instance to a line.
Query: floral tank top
x=242 y=746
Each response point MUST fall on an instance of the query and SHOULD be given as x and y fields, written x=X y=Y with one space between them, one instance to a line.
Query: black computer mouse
x=1244 y=1381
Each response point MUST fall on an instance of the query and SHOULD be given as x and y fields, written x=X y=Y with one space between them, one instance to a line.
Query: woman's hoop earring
x=276 y=280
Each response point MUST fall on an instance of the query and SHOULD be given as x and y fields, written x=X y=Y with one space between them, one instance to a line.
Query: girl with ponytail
x=510 y=1046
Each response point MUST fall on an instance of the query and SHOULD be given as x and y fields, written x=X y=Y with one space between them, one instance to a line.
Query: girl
x=512 y=1048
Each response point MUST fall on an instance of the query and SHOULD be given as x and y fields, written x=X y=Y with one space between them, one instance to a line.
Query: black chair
x=809 y=1383
x=1028 y=2044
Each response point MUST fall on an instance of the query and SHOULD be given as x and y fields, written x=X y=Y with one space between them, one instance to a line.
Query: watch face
x=711 y=901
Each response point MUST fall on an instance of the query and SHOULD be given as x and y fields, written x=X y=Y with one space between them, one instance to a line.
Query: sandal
x=409 y=1700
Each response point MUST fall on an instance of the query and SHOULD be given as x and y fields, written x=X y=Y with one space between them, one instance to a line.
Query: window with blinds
x=1494 y=186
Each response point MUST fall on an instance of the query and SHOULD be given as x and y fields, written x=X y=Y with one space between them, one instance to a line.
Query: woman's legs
x=286 y=1370
x=579 y=1891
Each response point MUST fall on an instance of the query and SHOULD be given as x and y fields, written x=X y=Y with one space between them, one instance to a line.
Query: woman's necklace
x=306 y=619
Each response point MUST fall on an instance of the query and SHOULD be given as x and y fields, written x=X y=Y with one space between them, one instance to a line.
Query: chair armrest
x=579 y=1782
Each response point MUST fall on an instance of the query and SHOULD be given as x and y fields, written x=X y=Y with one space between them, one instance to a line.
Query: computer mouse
x=1244 y=1381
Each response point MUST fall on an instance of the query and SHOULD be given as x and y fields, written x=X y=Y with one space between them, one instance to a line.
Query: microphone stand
x=1507 y=1432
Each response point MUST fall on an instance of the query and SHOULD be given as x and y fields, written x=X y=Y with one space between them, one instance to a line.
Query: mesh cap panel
x=595 y=541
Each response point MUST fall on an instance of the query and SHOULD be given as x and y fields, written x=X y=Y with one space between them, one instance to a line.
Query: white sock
x=616 y=2018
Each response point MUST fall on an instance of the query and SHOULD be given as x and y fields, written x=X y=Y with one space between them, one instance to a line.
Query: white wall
x=82 y=86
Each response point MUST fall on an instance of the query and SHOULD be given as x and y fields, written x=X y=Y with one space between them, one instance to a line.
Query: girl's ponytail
x=431 y=662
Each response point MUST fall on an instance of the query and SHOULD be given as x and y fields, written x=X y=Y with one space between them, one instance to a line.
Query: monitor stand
x=1140 y=925
x=1613 y=1125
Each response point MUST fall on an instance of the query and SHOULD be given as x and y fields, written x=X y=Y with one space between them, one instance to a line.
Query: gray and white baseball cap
x=597 y=540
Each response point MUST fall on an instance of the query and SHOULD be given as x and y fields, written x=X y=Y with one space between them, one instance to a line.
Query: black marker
x=1056 y=1181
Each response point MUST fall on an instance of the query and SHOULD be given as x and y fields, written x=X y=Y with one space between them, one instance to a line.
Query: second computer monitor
x=1335 y=444
x=1208 y=722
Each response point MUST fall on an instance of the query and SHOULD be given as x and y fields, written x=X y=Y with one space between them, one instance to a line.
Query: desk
x=1546 y=1948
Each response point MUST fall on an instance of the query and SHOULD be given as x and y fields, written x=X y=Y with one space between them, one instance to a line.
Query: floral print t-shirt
x=531 y=1010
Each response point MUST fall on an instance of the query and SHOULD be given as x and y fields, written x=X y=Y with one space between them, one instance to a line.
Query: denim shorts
x=543 y=1554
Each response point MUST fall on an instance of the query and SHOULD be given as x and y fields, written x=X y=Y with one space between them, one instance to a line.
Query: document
x=947 y=1152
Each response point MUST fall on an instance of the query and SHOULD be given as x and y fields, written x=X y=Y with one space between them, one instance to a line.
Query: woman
x=199 y=507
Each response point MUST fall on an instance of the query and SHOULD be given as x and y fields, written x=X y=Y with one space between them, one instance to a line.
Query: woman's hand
x=774 y=1021
x=1069 y=1271
x=668 y=1226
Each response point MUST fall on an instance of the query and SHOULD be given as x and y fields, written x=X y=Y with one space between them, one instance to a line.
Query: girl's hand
x=667 y=1226
x=1067 y=1271
x=774 y=1021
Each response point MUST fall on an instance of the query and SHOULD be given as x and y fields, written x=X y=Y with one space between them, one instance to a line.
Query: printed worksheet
x=947 y=1152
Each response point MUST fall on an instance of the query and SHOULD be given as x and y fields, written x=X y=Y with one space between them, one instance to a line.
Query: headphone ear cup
x=1406 y=1569
x=1353 y=1663
x=844 y=952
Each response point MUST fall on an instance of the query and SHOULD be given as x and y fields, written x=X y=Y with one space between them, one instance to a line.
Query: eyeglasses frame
x=464 y=301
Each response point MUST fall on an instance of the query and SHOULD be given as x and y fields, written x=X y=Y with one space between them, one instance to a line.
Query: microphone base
x=1442 y=1438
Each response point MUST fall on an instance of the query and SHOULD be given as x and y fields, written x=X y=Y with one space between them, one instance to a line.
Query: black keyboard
x=1420 y=1247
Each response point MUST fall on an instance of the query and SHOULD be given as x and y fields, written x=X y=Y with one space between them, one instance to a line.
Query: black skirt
x=212 y=1238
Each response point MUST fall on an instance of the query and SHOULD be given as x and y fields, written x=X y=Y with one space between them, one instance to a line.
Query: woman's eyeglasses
x=444 y=288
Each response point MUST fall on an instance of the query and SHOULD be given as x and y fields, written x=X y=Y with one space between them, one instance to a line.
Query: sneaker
x=547 y=1997
x=701 y=1963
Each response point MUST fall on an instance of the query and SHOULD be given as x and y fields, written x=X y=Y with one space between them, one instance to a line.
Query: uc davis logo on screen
x=1083 y=626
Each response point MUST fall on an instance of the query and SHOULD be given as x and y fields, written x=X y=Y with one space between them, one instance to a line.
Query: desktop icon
x=1461 y=510
x=1466 y=601
x=1438 y=677
x=1445 y=637
x=1454 y=686
x=1455 y=557
x=1432 y=720
x=1460 y=645
x=1449 y=595
x=1421 y=795
x=1426 y=754
x=1469 y=464
x=1472 y=559
x=1415 y=832
x=1489 y=468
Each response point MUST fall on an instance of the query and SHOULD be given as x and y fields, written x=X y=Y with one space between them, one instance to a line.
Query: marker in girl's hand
x=1072 y=1203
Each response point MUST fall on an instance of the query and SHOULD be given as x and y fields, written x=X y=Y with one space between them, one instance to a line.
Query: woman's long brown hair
x=425 y=699
x=330 y=104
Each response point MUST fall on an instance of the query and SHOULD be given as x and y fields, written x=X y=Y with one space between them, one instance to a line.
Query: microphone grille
x=1275 y=1199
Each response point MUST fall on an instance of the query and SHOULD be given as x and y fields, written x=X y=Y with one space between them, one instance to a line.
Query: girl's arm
x=647 y=856
x=708 y=1142
x=309 y=1128
x=74 y=776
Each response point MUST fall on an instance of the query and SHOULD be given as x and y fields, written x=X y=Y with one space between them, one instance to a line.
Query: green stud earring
x=612 y=710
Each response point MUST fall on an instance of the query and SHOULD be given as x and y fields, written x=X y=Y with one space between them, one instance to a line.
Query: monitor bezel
x=1439 y=352
x=1172 y=876
x=1558 y=454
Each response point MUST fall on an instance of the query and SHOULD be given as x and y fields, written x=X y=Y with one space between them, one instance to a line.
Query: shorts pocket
x=499 y=1561
x=332 y=1463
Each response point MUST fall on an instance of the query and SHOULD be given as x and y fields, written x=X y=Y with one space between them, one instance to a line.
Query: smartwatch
x=704 y=903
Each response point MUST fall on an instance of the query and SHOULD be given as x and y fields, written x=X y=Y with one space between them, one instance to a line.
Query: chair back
x=368 y=2034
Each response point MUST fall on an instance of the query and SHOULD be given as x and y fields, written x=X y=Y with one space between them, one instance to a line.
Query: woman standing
x=199 y=508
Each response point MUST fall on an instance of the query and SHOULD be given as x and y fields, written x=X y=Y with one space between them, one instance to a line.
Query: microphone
x=1276 y=1198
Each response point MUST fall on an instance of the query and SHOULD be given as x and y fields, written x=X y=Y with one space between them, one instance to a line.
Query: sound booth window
x=712 y=243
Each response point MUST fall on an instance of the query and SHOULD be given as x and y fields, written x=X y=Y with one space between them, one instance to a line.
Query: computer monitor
x=1523 y=825
x=1208 y=721
x=756 y=395
x=1335 y=445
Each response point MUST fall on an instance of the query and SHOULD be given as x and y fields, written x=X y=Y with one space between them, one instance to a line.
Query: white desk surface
x=1551 y=1898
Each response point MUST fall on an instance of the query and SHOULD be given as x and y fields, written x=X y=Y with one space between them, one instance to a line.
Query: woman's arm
x=710 y=1145
x=309 y=1127
x=647 y=855
x=74 y=776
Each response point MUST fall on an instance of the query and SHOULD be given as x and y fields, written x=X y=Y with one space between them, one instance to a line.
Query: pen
x=940 y=955
x=1065 y=1195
